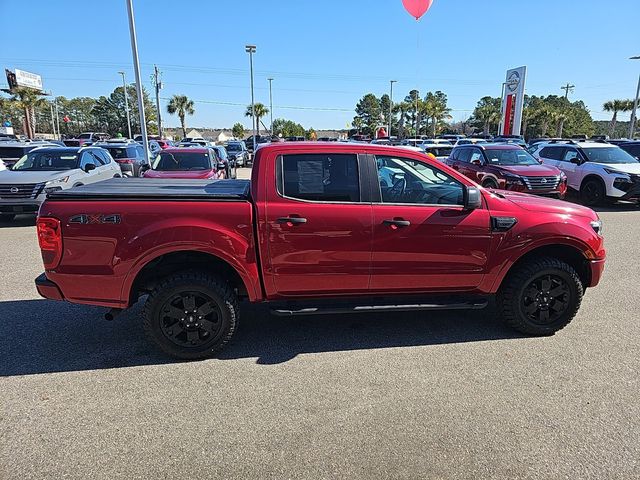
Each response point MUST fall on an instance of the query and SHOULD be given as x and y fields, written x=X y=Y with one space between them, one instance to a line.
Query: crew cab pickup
x=320 y=228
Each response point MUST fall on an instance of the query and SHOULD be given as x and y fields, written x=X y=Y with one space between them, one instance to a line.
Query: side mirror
x=144 y=167
x=472 y=198
x=575 y=160
x=476 y=162
x=89 y=167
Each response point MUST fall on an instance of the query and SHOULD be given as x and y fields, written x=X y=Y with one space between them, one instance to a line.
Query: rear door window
x=320 y=177
x=552 y=153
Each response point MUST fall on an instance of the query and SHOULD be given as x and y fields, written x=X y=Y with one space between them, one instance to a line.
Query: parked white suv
x=24 y=187
x=599 y=171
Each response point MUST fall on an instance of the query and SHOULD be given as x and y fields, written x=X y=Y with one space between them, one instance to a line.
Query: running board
x=471 y=305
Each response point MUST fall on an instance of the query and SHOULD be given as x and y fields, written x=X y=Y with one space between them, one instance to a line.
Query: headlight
x=57 y=181
x=513 y=180
x=612 y=171
x=597 y=226
x=563 y=177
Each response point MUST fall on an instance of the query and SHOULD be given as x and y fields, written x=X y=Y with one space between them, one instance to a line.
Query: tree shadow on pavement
x=42 y=336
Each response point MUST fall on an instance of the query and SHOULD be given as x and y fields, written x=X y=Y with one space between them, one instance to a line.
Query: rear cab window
x=332 y=177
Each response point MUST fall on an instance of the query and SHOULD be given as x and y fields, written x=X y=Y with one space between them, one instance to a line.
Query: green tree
x=368 y=111
x=183 y=106
x=238 y=130
x=616 y=106
x=414 y=101
x=385 y=103
x=311 y=134
x=486 y=114
x=287 y=128
x=260 y=111
x=26 y=99
x=110 y=114
x=435 y=108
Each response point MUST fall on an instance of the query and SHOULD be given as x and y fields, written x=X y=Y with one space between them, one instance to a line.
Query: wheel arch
x=593 y=176
x=154 y=270
x=570 y=254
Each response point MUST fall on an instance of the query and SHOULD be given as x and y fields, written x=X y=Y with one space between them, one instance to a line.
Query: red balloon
x=417 y=8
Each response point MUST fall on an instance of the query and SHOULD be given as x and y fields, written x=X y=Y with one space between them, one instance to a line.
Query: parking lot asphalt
x=434 y=395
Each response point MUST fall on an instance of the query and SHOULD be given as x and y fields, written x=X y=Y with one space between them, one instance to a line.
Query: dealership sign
x=512 y=101
x=27 y=79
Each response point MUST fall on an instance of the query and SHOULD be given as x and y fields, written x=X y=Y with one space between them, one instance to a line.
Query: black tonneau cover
x=157 y=189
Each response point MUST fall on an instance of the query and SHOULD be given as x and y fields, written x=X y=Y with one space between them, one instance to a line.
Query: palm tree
x=181 y=105
x=487 y=112
x=616 y=106
x=27 y=99
x=435 y=108
x=260 y=111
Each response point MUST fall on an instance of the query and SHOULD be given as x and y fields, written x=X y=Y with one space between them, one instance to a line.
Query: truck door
x=319 y=226
x=423 y=238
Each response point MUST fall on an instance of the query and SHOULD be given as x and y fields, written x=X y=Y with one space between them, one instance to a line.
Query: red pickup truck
x=320 y=228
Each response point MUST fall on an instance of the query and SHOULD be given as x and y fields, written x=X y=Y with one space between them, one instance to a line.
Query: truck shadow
x=41 y=336
x=20 y=221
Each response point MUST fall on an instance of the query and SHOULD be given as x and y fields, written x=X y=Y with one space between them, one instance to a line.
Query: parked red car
x=507 y=167
x=321 y=228
x=192 y=162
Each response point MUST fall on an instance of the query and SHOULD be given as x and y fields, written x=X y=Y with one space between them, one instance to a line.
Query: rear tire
x=191 y=315
x=593 y=193
x=540 y=296
x=7 y=217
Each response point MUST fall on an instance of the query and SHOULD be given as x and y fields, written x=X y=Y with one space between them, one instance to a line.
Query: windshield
x=608 y=155
x=182 y=161
x=84 y=135
x=510 y=157
x=439 y=151
x=233 y=147
x=46 y=161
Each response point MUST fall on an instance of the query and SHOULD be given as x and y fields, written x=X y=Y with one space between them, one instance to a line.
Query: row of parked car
x=44 y=168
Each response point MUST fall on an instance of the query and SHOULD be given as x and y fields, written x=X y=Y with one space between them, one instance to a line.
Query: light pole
x=136 y=68
x=271 y=104
x=126 y=102
x=391 y=82
x=251 y=49
x=632 y=127
x=55 y=101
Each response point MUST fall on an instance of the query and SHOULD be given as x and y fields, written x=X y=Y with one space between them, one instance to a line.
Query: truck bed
x=158 y=189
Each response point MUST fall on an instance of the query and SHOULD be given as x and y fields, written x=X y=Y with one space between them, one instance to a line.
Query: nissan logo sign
x=14 y=190
x=544 y=180
x=513 y=81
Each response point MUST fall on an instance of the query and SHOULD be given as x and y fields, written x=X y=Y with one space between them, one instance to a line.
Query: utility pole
x=126 y=103
x=567 y=88
x=634 y=118
x=158 y=85
x=55 y=101
x=136 y=68
x=271 y=104
x=53 y=122
x=391 y=82
x=251 y=49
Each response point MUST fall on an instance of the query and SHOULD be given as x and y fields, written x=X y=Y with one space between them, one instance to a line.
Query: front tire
x=593 y=193
x=191 y=315
x=490 y=184
x=540 y=296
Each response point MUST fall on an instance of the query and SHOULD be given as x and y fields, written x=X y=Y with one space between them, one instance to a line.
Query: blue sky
x=325 y=55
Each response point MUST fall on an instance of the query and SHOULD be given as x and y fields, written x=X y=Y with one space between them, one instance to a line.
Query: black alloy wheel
x=190 y=319
x=593 y=193
x=546 y=299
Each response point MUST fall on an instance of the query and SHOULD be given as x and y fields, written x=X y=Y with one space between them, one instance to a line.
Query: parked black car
x=11 y=151
x=632 y=147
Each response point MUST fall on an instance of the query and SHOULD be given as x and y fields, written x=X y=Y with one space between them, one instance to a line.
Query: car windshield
x=234 y=147
x=608 y=155
x=439 y=151
x=182 y=161
x=84 y=135
x=512 y=156
x=117 y=153
x=46 y=161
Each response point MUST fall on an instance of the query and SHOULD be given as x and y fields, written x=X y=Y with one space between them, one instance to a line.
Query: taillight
x=50 y=240
x=124 y=160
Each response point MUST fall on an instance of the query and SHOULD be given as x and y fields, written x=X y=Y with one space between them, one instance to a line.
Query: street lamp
x=632 y=127
x=136 y=68
x=391 y=82
x=126 y=103
x=271 y=104
x=251 y=49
